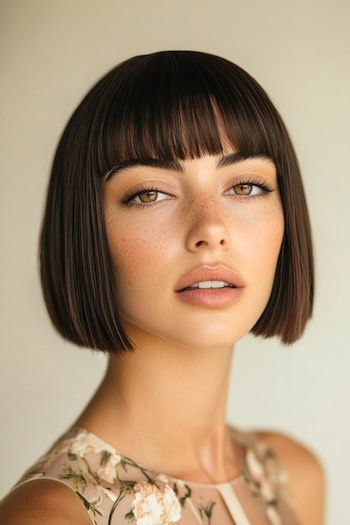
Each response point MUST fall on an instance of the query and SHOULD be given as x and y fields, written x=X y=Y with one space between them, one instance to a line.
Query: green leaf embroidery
x=123 y=463
x=206 y=511
x=92 y=504
x=182 y=499
x=122 y=494
x=130 y=516
x=77 y=477
x=105 y=457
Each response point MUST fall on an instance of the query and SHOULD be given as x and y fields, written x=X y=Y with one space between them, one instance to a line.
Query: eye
x=244 y=190
x=150 y=192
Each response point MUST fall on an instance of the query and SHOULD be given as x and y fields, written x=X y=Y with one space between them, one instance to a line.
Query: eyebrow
x=175 y=165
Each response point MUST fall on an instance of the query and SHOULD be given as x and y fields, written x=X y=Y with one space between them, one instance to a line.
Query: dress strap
x=233 y=504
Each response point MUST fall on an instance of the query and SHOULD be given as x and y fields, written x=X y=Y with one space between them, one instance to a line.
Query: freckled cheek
x=137 y=255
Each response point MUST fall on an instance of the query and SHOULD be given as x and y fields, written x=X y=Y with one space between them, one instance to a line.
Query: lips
x=210 y=273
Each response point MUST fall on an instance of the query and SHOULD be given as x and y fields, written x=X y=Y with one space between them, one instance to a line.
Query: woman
x=175 y=224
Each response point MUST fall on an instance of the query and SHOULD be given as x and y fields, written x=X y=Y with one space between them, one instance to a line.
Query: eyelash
x=265 y=187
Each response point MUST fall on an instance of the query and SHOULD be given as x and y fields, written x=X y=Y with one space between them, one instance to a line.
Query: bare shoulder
x=306 y=475
x=39 y=502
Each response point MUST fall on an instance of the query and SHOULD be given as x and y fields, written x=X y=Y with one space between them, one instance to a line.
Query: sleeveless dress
x=116 y=490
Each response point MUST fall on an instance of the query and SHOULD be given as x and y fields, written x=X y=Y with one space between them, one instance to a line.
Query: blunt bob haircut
x=161 y=105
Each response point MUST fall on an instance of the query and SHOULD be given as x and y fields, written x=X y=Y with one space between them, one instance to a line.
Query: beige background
x=52 y=52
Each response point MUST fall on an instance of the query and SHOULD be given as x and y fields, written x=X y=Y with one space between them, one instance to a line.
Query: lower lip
x=211 y=297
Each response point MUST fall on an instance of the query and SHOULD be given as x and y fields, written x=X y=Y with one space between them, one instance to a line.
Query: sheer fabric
x=116 y=490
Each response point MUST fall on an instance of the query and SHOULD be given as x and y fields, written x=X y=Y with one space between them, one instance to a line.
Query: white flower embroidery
x=83 y=443
x=255 y=467
x=264 y=479
x=108 y=493
x=108 y=471
x=153 y=506
x=267 y=490
x=162 y=477
x=273 y=515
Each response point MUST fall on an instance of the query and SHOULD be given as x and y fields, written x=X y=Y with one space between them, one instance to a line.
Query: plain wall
x=51 y=53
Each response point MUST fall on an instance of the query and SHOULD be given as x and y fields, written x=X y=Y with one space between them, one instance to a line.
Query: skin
x=184 y=356
x=165 y=404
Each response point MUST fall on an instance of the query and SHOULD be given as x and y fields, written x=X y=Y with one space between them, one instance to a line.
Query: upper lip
x=218 y=272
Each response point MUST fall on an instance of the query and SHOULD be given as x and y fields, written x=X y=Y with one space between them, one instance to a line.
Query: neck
x=165 y=406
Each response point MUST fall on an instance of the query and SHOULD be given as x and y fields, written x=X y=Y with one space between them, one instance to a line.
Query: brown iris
x=151 y=193
x=247 y=188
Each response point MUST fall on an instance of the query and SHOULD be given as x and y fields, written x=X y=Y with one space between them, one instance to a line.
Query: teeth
x=210 y=284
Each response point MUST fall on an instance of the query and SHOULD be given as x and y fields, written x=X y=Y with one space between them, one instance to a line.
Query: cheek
x=266 y=238
x=127 y=255
x=264 y=245
x=137 y=254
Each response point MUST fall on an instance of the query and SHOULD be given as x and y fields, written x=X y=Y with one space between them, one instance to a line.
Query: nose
x=208 y=227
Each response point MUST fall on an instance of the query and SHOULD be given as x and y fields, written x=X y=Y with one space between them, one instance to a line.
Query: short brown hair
x=161 y=104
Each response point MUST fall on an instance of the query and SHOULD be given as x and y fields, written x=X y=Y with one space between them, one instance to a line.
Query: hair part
x=168 y=105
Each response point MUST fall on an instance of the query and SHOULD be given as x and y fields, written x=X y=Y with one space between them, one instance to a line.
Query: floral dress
x=116 y=490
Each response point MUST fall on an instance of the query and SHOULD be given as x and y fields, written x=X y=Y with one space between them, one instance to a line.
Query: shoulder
x=43 y=501
x=305 y=473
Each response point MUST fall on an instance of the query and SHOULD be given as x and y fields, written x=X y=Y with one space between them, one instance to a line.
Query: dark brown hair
x=161 y=105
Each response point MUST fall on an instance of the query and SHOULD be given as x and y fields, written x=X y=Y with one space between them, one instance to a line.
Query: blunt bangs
x=168 y=105
x=177 y=105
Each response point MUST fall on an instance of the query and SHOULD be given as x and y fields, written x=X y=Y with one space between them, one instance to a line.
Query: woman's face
x=202 y=215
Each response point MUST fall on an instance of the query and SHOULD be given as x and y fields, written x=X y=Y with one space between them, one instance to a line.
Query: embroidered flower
x=274 y=469
x=108 y=493
x=267 y=490
x=263 y=480
x=93 y=504
x=108 y=472
x=83 y=443
x=154 y=506
x=162 y=477
x=254 y=466
x=273 y=515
